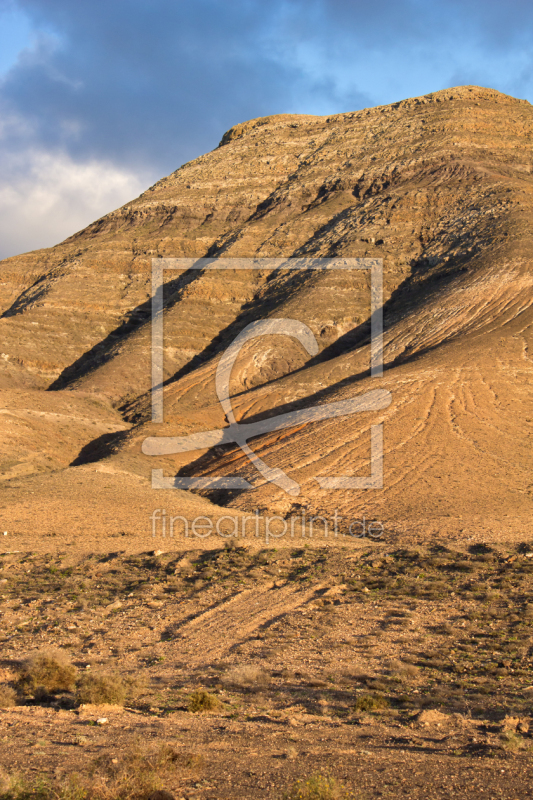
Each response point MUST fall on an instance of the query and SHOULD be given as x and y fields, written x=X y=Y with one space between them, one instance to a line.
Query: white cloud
x=45 y=197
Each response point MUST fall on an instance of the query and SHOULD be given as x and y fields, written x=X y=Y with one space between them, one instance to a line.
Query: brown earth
x=401 y=673
x=440 y=189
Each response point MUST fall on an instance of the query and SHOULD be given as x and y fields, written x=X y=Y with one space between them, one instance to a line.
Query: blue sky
x=99 y=99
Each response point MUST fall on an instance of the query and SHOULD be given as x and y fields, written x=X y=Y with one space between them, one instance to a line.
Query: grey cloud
x=157 y=82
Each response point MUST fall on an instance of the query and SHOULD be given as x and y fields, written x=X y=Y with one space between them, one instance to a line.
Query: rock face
x=439 y=187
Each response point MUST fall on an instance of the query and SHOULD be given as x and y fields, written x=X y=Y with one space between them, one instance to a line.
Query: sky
x=101 y=98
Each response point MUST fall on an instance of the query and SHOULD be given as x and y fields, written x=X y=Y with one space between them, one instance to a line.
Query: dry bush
x=135 y=687
x=8 y=696
x=511 y=740
x=135 y=776
x=102 y=687
x=246 y=677
x=317 y=787
x=47 y=672
x=355 y=674
x=202 y=701
x=403 y=671
x=371 y=702
x=381 y=684
x=138 y=776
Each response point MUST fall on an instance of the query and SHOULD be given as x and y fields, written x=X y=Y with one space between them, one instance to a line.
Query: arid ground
x=135 y=664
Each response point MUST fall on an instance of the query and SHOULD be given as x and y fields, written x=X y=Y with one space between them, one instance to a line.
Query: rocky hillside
x=439 y=187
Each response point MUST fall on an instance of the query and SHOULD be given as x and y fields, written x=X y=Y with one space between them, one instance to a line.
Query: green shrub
x=201 y=701
x=316 y=787
x=512 y=741
x=371 y=702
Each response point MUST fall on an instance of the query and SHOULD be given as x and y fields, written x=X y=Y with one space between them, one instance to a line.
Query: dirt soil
x=400 y=672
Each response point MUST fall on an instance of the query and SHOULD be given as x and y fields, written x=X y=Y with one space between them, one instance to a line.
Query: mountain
x=438 y=187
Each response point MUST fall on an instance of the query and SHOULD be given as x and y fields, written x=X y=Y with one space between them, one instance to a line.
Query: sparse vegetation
x=406 y=672
x=371 y=703
x=512 y=741
x=202 y=701
x=461 y=655
x=100 y=687
x=45 y=673
x=8 y=696
x=135 y=776
x=248 y=677
x=317 y=787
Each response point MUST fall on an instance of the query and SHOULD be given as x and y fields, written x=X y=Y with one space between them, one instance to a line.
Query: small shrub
x=316 y=787
x=8 y=697
x=20 y=788
x=512 y=741
x=202 y=701
x=135 y=776
x=47 y=672
x=246 y=677
x=355 y=674
x=403 y=671
x=371 y=702
x=139 y=775
x=102 y=687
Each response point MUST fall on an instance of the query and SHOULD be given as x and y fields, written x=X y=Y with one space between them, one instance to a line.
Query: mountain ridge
x=438 y=187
